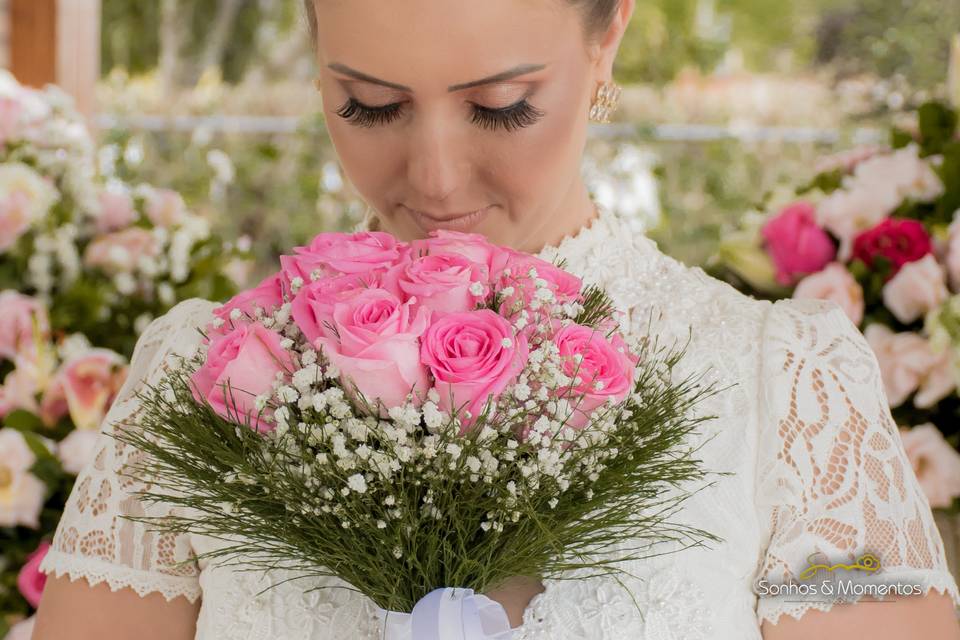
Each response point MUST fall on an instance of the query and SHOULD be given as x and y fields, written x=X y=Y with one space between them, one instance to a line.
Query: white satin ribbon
x=448 y=613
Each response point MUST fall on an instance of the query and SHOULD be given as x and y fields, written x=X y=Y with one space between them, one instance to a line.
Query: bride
x=472 y=116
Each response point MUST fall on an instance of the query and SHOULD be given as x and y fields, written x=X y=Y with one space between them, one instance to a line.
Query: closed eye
x=518 y=115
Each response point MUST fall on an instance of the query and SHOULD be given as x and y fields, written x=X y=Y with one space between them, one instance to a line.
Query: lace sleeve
x=92 y=540
x=833 y=477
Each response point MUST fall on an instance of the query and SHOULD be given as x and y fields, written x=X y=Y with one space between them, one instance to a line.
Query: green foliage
x=885 y=37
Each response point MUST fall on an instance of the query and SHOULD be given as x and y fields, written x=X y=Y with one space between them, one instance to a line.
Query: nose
x=437 y=161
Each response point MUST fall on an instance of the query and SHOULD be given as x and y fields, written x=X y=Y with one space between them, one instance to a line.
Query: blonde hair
x=597 y=16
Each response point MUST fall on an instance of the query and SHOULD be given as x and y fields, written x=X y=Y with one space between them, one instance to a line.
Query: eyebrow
x=519 y=70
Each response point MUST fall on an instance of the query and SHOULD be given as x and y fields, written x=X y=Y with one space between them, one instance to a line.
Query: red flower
x=899 y=241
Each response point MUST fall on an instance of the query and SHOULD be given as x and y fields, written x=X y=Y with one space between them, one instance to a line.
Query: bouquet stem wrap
x=448 y=613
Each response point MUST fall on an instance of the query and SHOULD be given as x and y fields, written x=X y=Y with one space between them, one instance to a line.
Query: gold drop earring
x=605 y=101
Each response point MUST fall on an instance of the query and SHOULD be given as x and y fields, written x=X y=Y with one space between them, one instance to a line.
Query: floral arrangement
x=85 y=265
x=878 y=232
x=410 y=416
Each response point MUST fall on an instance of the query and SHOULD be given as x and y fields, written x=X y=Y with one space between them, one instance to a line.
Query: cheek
x=535 y=164
x=364 y=155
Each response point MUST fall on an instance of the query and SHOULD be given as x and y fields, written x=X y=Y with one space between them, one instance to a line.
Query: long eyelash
x=516 y=116
x=521 y=114
x=365 y=116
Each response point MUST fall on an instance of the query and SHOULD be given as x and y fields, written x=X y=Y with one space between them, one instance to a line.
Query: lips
x=455 y=222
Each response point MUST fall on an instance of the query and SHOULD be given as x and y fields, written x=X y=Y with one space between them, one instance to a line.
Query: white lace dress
x=816 y=460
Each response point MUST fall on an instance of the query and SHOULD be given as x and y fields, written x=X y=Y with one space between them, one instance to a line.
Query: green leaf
x=23 y=420
x=938 y=124
x=38 y=447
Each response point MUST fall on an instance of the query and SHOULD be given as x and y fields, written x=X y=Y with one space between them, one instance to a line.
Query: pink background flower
x=899 y=241
x=834 y=283
x=121 y=250
x=917 y=288
x=116 y=211
x=16 y=323
x=30 y=580
x=796 y=243
x=935 y=463
x=908 y=364
x=87 y=385
x=166 y=208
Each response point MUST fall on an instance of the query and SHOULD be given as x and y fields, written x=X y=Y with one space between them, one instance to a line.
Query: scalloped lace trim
x=119 y=577
x=771 y=610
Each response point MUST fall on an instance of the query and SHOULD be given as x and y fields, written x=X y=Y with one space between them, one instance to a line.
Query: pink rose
x=20 y=312
x=837 y=284
x=249 y=358
x=30 y=580
x=86 y=385
x=935 y=463
x=15 y=218
x=166 y=208
x=917 y=288
x=341 y=253
x=796 y=243
x=472 y=246
x=907 y=364
x=472 y=355
x=441 y=282
x=374 y=340
x=22 y=493
x=565 y=286
x=121 y=250
x=897 y=240
x=116 y=211
x=606 y=371
x=313 y=305
x=267 y=296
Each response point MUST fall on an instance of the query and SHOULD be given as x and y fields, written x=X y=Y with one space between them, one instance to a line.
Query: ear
x=605 y=51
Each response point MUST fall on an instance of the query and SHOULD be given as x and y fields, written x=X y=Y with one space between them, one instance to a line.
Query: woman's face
x=442 y=108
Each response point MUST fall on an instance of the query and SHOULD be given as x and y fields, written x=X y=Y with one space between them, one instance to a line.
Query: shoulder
x=178 y=330
x=816 y=335
x=713 y=309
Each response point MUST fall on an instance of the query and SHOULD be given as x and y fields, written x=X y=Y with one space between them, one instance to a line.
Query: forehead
x=452 y=40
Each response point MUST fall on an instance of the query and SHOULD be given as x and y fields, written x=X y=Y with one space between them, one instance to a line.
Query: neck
x=577 y=213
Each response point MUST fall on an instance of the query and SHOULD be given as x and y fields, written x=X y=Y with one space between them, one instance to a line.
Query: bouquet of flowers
x=878 y=232
x=85 y=265
x=413 y=416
